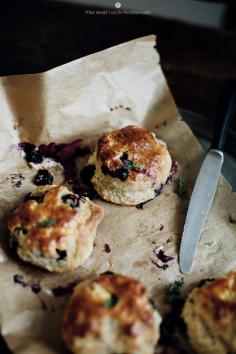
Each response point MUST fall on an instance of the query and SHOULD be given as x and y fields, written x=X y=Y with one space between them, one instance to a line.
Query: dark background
x=39 y=35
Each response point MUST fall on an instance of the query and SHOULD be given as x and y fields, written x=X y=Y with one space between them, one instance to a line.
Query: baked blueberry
x=32 y=152
x=71 y=199
x=131 y=164
x=43 y=177
x=87 y=173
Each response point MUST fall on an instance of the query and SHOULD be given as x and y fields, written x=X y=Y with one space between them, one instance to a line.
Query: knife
x=207 y=180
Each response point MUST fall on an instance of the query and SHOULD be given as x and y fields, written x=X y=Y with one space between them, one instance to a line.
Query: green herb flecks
x=137 y=166
x=181 y=187
x=111 y=302
x=62 y=254
x=173 y=290
x=46 y=223
x=130 y=166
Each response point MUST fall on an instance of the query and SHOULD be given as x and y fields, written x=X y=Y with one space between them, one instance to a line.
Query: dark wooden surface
x=38 y=35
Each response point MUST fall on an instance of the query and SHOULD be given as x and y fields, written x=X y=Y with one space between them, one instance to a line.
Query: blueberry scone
x=210 y=316
x=108 y=314
x=131 y=165
x=54 y=228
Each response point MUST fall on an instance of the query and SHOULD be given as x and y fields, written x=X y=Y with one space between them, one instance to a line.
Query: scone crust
x=210 y=315
x=149 y=154
x=51 y=233
x=130 y=326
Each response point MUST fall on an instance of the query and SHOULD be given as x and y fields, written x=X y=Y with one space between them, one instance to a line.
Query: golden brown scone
x=55 y=229
x=131 y=165
x=210 y=316
x=108 y=314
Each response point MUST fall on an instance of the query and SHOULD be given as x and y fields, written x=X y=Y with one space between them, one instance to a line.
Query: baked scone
x=131 y=166
x=54 y=228
x=108 y=314
x=210 y=316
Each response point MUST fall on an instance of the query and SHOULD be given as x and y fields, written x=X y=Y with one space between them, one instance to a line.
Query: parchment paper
x=75 y=100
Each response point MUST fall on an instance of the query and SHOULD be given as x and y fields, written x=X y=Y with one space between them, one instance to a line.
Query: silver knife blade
x=200 y=203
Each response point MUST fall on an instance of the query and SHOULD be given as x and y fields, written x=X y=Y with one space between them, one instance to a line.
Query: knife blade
x=207 y=181
x=200 y=203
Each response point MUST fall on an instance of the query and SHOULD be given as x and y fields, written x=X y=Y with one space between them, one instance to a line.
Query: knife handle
x=226 y=110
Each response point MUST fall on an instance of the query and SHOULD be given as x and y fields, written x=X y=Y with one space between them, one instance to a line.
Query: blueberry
x=105 y=170
x=71 y=199
x=42 y=178
x=62 y=254
x=111 y=302
x=87 y=173
x=124 y=156
x=33 y=154
x=90 y=193
x=84 y=192
x=122 y=174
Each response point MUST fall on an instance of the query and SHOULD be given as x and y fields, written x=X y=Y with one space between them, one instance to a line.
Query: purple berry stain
x=107 y=248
